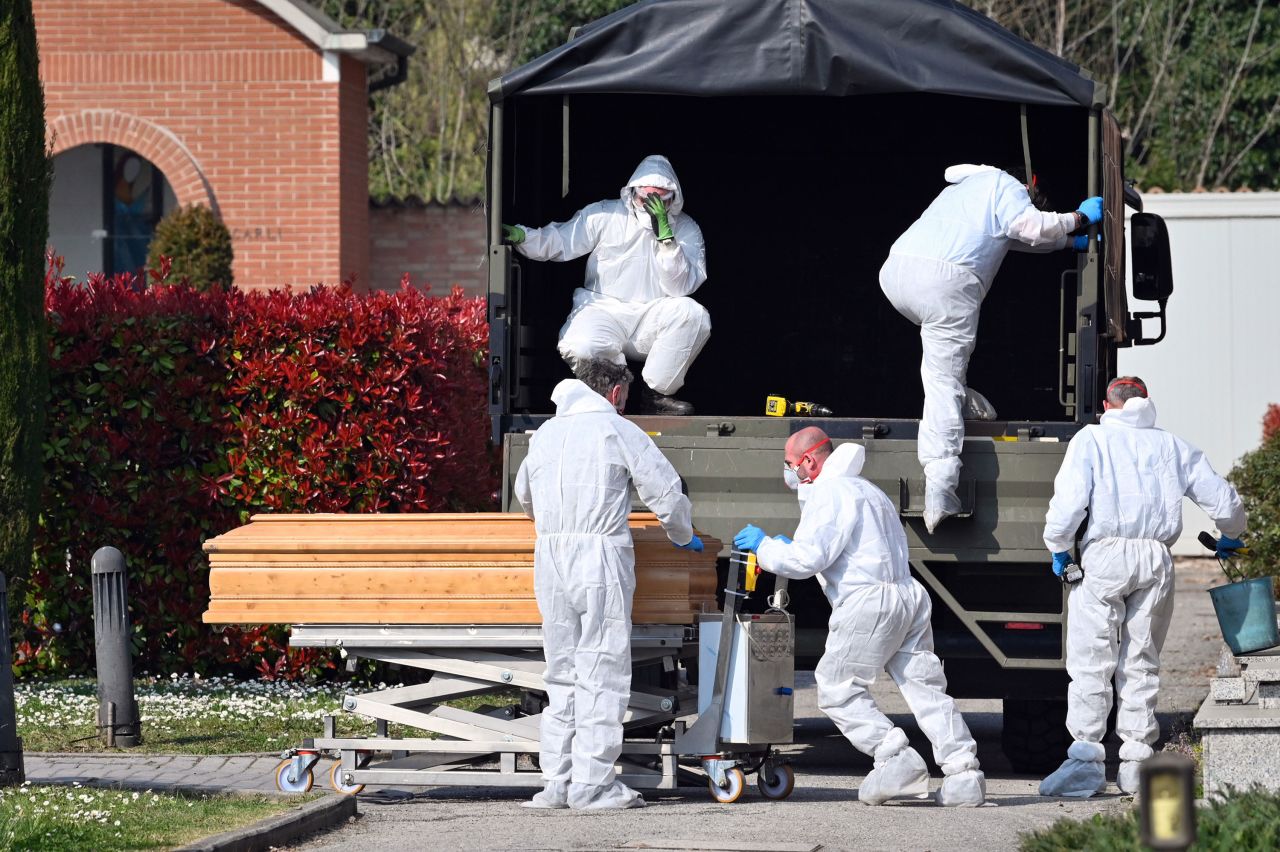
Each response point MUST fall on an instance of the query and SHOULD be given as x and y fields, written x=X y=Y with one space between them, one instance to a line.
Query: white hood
x=655 y=170
x=1138 y=413
x=957 y=173
x=573 y=397
x=846 y=460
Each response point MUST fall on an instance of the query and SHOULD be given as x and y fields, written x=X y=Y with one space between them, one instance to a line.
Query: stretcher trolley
x=744 y=703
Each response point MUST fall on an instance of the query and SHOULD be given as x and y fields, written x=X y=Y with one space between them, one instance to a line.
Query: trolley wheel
x=735 y=782
x=784 y=781
x=335 y=781
x=284 y=785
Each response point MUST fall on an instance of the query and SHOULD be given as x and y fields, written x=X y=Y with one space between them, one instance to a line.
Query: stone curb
x=280 y=830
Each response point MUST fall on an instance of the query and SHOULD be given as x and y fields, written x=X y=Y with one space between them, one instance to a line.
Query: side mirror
x=1152 y=269
x=1152 y=273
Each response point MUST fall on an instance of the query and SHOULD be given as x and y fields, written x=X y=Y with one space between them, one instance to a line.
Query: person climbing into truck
x=850 y=537
x=937 y=274
x=647 y=258
x=1129 y=478
x=576 y=484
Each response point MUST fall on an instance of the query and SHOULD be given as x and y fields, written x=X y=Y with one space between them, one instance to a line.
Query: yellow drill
x=780 y=406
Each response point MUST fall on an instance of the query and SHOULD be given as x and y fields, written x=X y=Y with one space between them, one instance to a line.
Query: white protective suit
x=851 y=538
x=575 y=485
x=635 y=300
x=937 y=275
x=1130 y=477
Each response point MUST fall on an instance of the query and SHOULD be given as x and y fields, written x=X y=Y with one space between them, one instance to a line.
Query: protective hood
x=1138 y=413
x=846 y=460
x=834 y=48
x=957 y=173
x=655 y=170
x=573 y=397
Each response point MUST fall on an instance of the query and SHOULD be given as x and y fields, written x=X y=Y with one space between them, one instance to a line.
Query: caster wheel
x=335 y=781
x=784 y=781
x=735 y=783
x=299 y=785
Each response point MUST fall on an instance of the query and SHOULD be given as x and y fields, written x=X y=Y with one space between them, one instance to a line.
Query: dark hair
x=601 y=375
x=1124 y=388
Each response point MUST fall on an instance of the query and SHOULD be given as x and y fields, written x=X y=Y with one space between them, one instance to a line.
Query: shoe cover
x=555 y=795
x=966 y=789
x=904 y=774
x=1127 y=777
x=1080 y=776
x=940 y=503
x=592 y=797
x=977 y=406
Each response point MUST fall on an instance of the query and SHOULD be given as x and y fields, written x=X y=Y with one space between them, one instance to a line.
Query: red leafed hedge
x=174 y=415
x=1271 y=422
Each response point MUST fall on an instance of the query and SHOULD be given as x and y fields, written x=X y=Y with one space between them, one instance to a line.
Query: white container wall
x=1212 y=377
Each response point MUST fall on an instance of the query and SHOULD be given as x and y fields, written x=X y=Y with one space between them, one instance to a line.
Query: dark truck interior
x=799 y=200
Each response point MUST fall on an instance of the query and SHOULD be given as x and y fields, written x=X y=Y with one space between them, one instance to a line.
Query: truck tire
x=1034 y=735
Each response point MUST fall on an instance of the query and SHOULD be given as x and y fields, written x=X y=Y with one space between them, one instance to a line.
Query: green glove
x=658 y=215
x=513 y=234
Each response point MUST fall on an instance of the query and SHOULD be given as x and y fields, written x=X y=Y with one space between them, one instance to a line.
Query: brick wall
x=437 y=244
x=231 y=104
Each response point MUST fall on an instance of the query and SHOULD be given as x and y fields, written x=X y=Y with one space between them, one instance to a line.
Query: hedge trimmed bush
x=1257 y=478
x=197 y=245
x=174 y=414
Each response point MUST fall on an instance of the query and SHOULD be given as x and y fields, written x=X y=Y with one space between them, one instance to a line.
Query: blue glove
x=1081 y=243
x=1227 y=547
x=1060 y=562
x=694 y=544
x=748 y=538
x=1092 y=209
x=782 y=538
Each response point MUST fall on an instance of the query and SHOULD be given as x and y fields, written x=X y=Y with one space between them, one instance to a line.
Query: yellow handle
x=753 y=571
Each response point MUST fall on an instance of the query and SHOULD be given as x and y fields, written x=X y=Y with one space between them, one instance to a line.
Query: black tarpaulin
x=800 y=47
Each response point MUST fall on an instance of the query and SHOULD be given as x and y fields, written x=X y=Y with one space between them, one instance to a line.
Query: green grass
x=184 y=715
x=77 y=818
x=1238 y=822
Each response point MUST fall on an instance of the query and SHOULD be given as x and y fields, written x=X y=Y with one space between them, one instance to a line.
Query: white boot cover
x=590 y=797
x=554 y=795
x=966 y=789
x=1081 y=775
x=899 y=771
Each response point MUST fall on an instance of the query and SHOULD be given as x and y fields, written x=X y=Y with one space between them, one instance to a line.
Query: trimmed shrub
x=176 y=414
x=197 y=245
x=1257 y=479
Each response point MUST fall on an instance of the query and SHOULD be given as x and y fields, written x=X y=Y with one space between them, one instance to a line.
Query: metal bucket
x=1247 y=614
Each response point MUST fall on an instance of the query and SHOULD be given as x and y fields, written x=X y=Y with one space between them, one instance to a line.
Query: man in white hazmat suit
x=647 y=258
x=575 y=485
x=851 y=538
x=937 y=275
x=1130 y=478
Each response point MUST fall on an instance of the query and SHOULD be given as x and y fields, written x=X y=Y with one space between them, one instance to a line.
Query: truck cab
x=807 y=135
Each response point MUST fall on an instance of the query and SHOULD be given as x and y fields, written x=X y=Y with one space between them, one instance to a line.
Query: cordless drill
x=780 y=406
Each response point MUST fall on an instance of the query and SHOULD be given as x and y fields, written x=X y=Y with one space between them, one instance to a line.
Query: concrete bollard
x=117 y=709
x=12 y=771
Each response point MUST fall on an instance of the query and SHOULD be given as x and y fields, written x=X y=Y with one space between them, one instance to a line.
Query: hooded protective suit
x=575 y=485
x=1130 y=477
x=635 y=300
x=937 y=275
x=850 y=537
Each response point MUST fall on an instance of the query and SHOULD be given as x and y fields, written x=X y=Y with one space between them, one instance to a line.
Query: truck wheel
x=1034 y=736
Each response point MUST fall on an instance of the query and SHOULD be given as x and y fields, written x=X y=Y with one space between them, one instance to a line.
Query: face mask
x=791 y=478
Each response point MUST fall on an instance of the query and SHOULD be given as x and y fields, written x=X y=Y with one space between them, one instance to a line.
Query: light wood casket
x=424 y=569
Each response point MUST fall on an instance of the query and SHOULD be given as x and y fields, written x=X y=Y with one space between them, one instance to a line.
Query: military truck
x=807 y=135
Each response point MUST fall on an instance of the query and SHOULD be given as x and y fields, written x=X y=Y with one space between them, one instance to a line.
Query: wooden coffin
x=423 y=569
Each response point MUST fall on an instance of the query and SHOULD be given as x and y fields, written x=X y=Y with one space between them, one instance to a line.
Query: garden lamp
x=1166 y=802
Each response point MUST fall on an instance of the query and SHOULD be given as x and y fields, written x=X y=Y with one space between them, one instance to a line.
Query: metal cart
x=744 y=709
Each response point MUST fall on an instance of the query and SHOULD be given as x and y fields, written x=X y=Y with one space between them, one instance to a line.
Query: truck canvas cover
x=801 y=47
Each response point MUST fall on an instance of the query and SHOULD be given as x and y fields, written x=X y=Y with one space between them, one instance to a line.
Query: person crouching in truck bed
x=647 y=258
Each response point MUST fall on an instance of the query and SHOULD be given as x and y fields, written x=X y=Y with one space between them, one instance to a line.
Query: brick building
x=256 y=108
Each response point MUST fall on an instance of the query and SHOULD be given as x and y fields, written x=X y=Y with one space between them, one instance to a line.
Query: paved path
x=222 y=773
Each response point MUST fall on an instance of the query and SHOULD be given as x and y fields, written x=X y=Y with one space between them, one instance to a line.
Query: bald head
x=807 y=451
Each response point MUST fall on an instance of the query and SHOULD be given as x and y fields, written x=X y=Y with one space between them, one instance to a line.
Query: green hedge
x=1257 y=478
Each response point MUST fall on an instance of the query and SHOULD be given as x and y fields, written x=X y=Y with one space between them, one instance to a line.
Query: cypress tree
x=25 y=174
